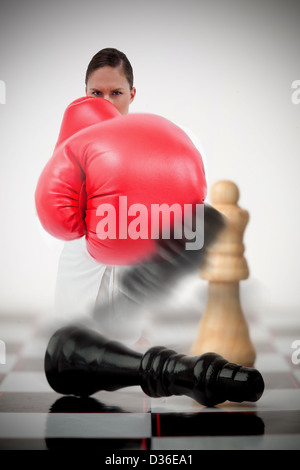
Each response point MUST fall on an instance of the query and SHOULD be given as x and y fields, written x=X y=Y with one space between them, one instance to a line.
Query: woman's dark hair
x=112 y=58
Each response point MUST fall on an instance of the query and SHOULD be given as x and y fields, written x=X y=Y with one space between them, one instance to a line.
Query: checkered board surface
x=33 y=416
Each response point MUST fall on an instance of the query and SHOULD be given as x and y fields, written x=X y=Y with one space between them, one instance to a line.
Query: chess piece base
x=223 y=328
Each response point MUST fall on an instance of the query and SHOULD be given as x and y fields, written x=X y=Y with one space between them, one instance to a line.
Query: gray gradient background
x=224 y=69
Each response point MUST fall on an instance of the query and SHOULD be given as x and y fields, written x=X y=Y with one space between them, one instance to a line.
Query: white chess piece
x=223 y=328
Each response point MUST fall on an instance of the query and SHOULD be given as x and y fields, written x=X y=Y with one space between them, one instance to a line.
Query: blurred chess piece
x=223 y=328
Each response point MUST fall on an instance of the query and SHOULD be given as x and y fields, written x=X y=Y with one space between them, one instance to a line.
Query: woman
x=86 y=288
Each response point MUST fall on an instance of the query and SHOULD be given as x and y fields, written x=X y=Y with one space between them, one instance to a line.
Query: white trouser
x=88 y=290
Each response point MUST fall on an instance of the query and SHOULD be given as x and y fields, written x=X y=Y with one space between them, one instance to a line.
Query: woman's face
x=111 y=84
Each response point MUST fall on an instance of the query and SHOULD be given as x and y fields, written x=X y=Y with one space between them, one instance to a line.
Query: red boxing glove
x=82 y=113
x=108 y=172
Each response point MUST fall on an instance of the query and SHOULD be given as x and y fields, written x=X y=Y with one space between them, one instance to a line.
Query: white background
x=224 y=69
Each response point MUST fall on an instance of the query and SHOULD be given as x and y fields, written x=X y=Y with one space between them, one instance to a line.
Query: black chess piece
x=173 y=261
x=79 y=361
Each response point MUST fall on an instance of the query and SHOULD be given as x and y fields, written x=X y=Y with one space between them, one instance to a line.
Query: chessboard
x=34 y=417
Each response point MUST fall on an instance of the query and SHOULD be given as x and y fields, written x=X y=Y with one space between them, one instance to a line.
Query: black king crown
x=81 y=362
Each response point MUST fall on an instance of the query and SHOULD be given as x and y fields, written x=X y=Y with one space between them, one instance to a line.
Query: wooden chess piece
x=223 y=328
